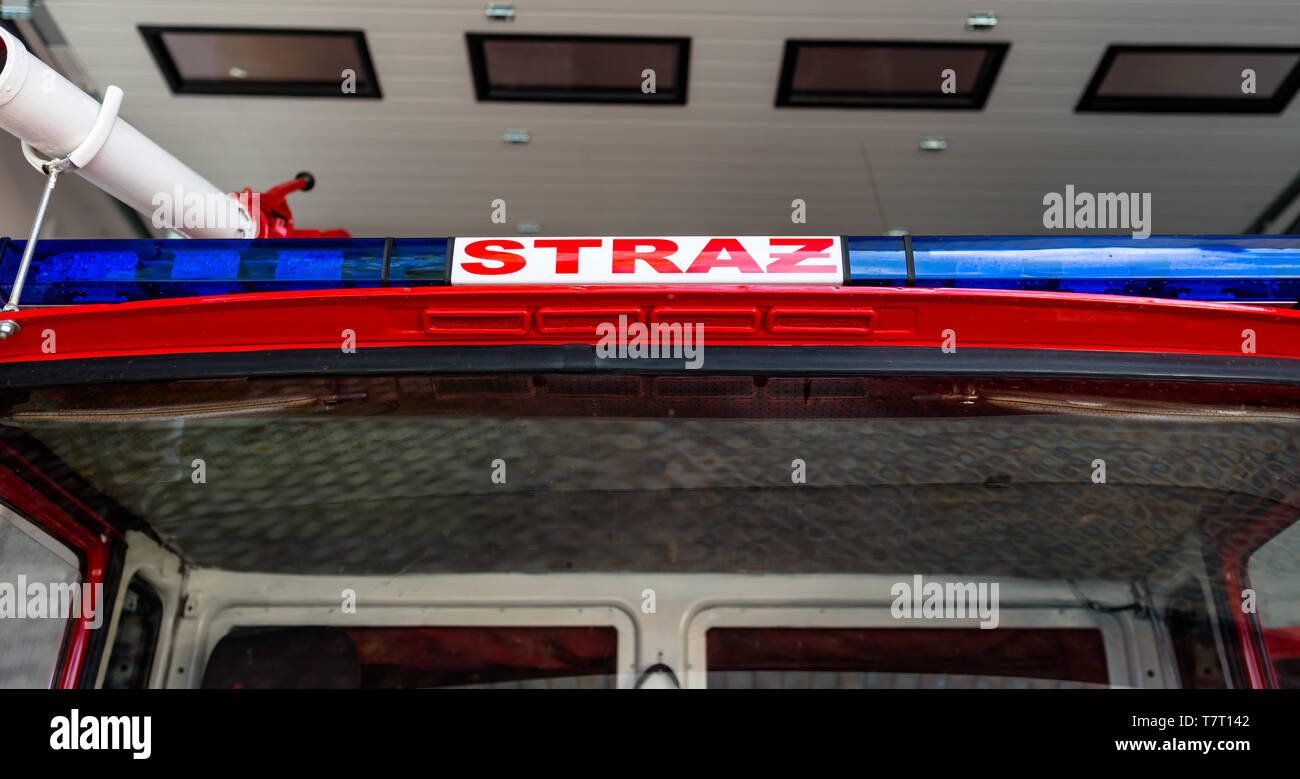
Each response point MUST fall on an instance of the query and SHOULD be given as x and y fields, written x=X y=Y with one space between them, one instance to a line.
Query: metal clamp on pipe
x=81 y=156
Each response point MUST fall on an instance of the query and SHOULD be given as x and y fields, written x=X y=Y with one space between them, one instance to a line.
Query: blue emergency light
x=66 y=272
x=1241 y=269
x=1253 y=269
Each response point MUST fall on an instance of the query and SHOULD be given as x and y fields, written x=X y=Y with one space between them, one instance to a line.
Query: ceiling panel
x=428 y=159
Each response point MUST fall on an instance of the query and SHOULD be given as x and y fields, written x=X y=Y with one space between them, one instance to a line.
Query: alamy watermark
x=59 y=600
x=181 y=210
x=1101 y=211
x=920 y=599
x=658 y=340
x=94 y=732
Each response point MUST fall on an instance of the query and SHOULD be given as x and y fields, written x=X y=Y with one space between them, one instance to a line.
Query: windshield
x=1082 y=518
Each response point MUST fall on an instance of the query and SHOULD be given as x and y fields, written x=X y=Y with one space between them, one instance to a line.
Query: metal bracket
x=81 y=156
x=985 y=20
x=191 y=603
x=53 y=168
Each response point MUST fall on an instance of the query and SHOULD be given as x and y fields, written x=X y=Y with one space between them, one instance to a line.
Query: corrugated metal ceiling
x=428 y=159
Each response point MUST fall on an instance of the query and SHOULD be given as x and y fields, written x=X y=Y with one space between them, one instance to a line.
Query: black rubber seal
x=729 y=359
x=446 y=268
x=388 y=255
x=911 y=261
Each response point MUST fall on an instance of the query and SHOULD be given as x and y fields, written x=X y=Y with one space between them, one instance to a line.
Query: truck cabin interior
x=1122 y=521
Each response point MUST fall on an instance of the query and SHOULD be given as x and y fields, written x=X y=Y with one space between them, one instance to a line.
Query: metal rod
x=30 y=248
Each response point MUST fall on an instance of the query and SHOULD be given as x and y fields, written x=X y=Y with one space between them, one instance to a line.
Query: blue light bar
x=304 y=265
x=1217 y=268
x=1257 y=269
x=202 y=265
x=116 y=271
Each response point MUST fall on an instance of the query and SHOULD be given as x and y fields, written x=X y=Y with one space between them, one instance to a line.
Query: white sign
x=694 y=259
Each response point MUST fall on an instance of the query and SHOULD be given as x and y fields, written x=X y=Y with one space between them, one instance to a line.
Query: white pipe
x=50 y=113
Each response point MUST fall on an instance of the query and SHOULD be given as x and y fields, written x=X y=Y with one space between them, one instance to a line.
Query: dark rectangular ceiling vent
x=263 y=61
x=888 y=74
x=579 y=68
x=1194 y=79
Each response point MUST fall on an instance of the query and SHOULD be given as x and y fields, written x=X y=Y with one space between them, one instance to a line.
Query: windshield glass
x=1105 y=530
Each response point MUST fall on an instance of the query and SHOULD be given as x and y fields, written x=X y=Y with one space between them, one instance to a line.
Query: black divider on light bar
x=1194 y=79
x=263 y=61
x=888 y=74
